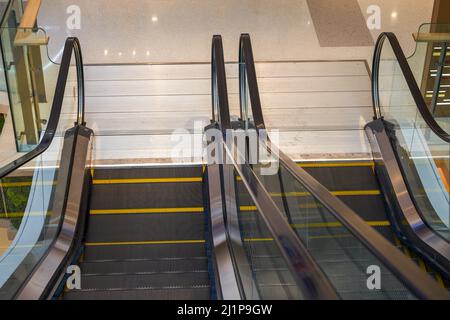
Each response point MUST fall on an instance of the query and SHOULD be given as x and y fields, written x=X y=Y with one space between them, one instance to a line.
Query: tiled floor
x=142 y=108
x=180 y=30
x=319 y=108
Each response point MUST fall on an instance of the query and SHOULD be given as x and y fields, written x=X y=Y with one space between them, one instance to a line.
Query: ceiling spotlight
x=155 y=19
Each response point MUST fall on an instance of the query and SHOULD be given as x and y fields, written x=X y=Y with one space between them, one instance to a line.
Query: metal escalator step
x=141 y=266
x=152 y=281
x=320 y=254
x=148 y=172
x=267 y=262
x=145 y=227
x=200 y=293
x=158 y=251
x=279 y=292
x=274 y=277
x=337 y=177
x=391 y=288
x=349 y=282
x=375 y=295
x=147 y=195
x=370 y=208
x=277 y=284
x=252 y=224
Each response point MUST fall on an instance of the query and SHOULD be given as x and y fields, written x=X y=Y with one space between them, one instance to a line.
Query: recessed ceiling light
x=394 y=14
x=155 y=19
x=105 y=52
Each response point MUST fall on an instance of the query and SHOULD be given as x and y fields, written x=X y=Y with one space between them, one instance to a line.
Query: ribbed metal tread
x=153 y=280
x=146 y=227
x=147 y=195
x=344 y=284
x=148 y=172
x=279 y=292
x=144 y=266
x=195 y=293
x=337 y=177
x=368 y=207
x=133 y=252
x=340 y=254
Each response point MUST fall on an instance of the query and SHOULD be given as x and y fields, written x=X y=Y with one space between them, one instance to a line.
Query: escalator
x=228 y=230
x=44 y=193
x=411 y=153
x=343 y=244
x=330 y=249
x=145 y=236
x=132 y=232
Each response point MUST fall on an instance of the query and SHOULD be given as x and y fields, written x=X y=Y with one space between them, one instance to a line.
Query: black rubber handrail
x=419 y=283
x=72 y=45
x=410 y=80
x=220 y=107
x=247 y=73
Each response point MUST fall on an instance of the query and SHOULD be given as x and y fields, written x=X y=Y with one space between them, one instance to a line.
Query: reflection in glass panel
x=424 y=157
x=28 y=221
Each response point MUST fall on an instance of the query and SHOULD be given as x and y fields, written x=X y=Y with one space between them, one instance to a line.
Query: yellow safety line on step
x=132 y=243
x=335 y=164
x=257 y=239
x=26 y=184
x=439 y=280
x=147 y=211
x=337 y=224
x=341 y=193
x=248 y=208
x=147 y=180
x=11 y=215
x=335 y=193
x=310 y=237
x=422 y=264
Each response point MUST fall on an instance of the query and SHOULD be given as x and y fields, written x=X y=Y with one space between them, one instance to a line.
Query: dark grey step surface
x=146 y=227
x=134 y=252
x=152 y=280
x=149 y=172
x=279 y=292
x=123 y=258
x=201 y=293
x=144 y=266
x=345 y=178
x=147 y=195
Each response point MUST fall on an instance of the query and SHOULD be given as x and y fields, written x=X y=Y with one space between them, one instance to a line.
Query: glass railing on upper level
x=30 y=208
x=430 y=65
x=422 y=145
x=29 y=78
x=343 y=246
